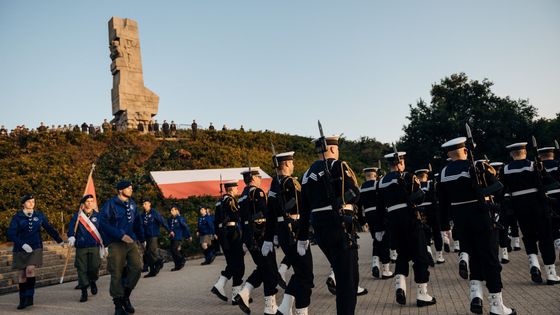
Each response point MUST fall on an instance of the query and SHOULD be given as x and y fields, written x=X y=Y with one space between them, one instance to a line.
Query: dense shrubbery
x=55 y=166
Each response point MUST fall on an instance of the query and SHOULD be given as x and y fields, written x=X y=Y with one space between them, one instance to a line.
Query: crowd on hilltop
x=152 y=127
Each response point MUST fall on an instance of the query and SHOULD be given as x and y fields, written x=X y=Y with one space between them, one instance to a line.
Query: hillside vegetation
x=54 y=166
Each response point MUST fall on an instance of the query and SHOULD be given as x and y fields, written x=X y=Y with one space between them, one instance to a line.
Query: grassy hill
x=54 y=166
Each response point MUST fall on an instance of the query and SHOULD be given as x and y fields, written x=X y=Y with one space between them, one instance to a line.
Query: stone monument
x=133 y=103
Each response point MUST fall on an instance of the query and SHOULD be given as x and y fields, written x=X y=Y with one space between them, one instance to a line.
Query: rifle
x=479 y=181
x=221 y=186
x=539 y=169
x=346 y=221
x=557 y=147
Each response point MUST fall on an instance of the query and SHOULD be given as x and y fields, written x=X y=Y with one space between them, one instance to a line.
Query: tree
x=495 y=121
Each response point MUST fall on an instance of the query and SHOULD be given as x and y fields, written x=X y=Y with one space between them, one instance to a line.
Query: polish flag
x=184 y=184
x=90 y=188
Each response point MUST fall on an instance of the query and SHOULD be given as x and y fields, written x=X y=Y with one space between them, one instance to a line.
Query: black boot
x=83 y=298
x=119 y=306
x=93 y=286
x=476 y=305
x=22 y=297
x=30 y=291
x=127 y=305
x=400 y=297
x=158 y=265
x=536 y=275
x=152 y=272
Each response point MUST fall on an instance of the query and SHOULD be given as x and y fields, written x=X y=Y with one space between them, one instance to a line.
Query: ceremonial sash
x=90 y=227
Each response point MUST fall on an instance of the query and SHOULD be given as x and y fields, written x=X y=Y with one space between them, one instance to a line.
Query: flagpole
x=75 y=228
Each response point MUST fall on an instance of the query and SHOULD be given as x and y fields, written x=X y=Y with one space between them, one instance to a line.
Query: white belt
x=292 y=216
x=427 y=203
x=366 y=210
x=524 y=192
x=554 y=191
x=397 y=206
x=463 y=202
x=322 y=209
x=246 y=222
x=232 y=223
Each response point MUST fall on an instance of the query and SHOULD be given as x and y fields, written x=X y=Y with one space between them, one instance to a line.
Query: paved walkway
x=187 y=291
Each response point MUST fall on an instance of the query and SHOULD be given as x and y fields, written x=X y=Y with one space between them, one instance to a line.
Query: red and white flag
x=90 y=188
x=184 y=184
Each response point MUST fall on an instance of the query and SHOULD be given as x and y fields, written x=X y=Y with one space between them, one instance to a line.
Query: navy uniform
x=178 y=231
x=25 y=232
x=152 y=221
x=253 y=212
x=206 y=234
x=552 y=167
x=332 y=220
x=505 y=213
x=429 y=211
x=367 y=210
x=474 y=225
x=83 y=233
x=398 y=194
x=227 y=225
x=121 y=227
x=529 y=203
x=283 y=220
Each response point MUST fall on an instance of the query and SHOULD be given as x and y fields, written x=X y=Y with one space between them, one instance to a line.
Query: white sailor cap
x=284 y=156
x=517 y=146
x=454 y=144
x=497 y=164
x=331 y=140
x=391 y=156
x=422 y=170
x=370 y=169
x=546 y=149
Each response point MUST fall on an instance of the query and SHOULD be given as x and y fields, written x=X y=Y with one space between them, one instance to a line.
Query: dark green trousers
x=151 y=253
x=87 y=262
x=123 y=256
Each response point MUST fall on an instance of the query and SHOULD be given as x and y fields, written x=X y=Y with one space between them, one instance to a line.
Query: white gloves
x=144 y=244
x=275 y=240
x=266 y=248
x=103 y=252
x=71 y=241
x=379 y=236
x=302 y=247
x=27 y=248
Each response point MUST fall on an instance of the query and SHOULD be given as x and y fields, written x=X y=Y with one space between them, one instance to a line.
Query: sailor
x=283 y=220
x=474 y=223
x=367 y=206
x=523 y=180
x=505 y=209
x=552 y=167
x=227 y=225
x=329 y=194
x=399 y=193
x=253 y=211
x=430 y=213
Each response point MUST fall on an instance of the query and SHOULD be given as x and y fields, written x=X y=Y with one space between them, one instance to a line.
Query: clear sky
x=277 y=65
